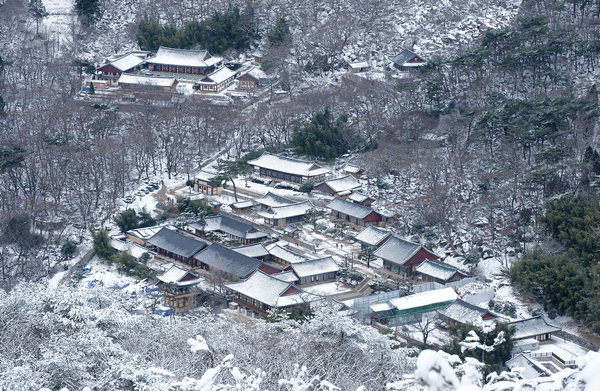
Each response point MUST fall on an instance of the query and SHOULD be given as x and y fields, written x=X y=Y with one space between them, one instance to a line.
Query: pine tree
x=89 y=10
x=280 y=33
x=101 y=244
x=38 y=10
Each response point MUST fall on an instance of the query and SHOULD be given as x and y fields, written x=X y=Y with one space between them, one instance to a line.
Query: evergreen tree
x=101 y=244
x=367 y=255
x=38 y=10
x=280 y=33
x=89 y=10
x=228 y=170
x=321 y=136
x=127 y=220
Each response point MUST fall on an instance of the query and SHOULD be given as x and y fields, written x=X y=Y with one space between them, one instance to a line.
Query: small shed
x=358 y=67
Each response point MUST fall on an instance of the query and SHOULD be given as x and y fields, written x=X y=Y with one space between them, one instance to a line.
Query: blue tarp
x=120 y=287
x=165 y=313
x=92 y=283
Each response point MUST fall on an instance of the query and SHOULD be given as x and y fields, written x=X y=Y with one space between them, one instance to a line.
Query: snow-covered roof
x=527 y=368
x=288 y=276
x=405 y=56
x=380 y=307
x=437 y=270
x=176 y=243
x=148 y=232
x=227 y=260
x=283 y=212
x=372 y=236
x=179 y=276
x=349 y=208
x=466 y=313
x=358 y=197
x=183 y=57
x=252 y=250
x=531 y=327
x=358 y=65
x=288 y=165
x=271 y=199
x=242 y=204
x=341 y=184
x=314 y=267
x=349 y=168
x=269 y=290
x=287 y=255
x=205 y=176
x=127 y=62
x=133 y=249
x=147 y=80
x=423 y=299
x=228 y=225
x=218 y=76
x=397 y=250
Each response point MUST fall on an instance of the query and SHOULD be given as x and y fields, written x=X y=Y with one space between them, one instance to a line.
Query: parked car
x=129 y=199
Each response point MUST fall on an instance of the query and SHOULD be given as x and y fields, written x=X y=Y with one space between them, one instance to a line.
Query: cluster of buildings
x=191 y=264
x=163 y=71
x=246 y=261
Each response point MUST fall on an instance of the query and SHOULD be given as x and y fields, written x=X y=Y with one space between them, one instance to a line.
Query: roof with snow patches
x=288 y=165
x=349 y=208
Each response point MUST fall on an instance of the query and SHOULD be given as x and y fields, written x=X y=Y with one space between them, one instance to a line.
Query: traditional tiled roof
x=252 y=250
x=270 y=290
x=349 y=208
x=176 y=243
x=288 y=165
x=463 y=312
x=126 y=62
x=227 y=260
x=147 y=80
x=287 y=255
x=372 y=236
x=178 y=276
x=531 y=327
x=527 y=368
x=341 y=184
x=271 y=199
x=183 y=57
x=437 y=270
x=397 y=250
x=286 y=211
x=218 y=76
x=358 y=197
x=405 y=56
x=230 y=226
x=315 y=266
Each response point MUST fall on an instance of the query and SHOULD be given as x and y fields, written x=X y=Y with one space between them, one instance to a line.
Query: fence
x=362 y=305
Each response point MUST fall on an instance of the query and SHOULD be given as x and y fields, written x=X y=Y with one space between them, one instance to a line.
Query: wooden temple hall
x=199 y=62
